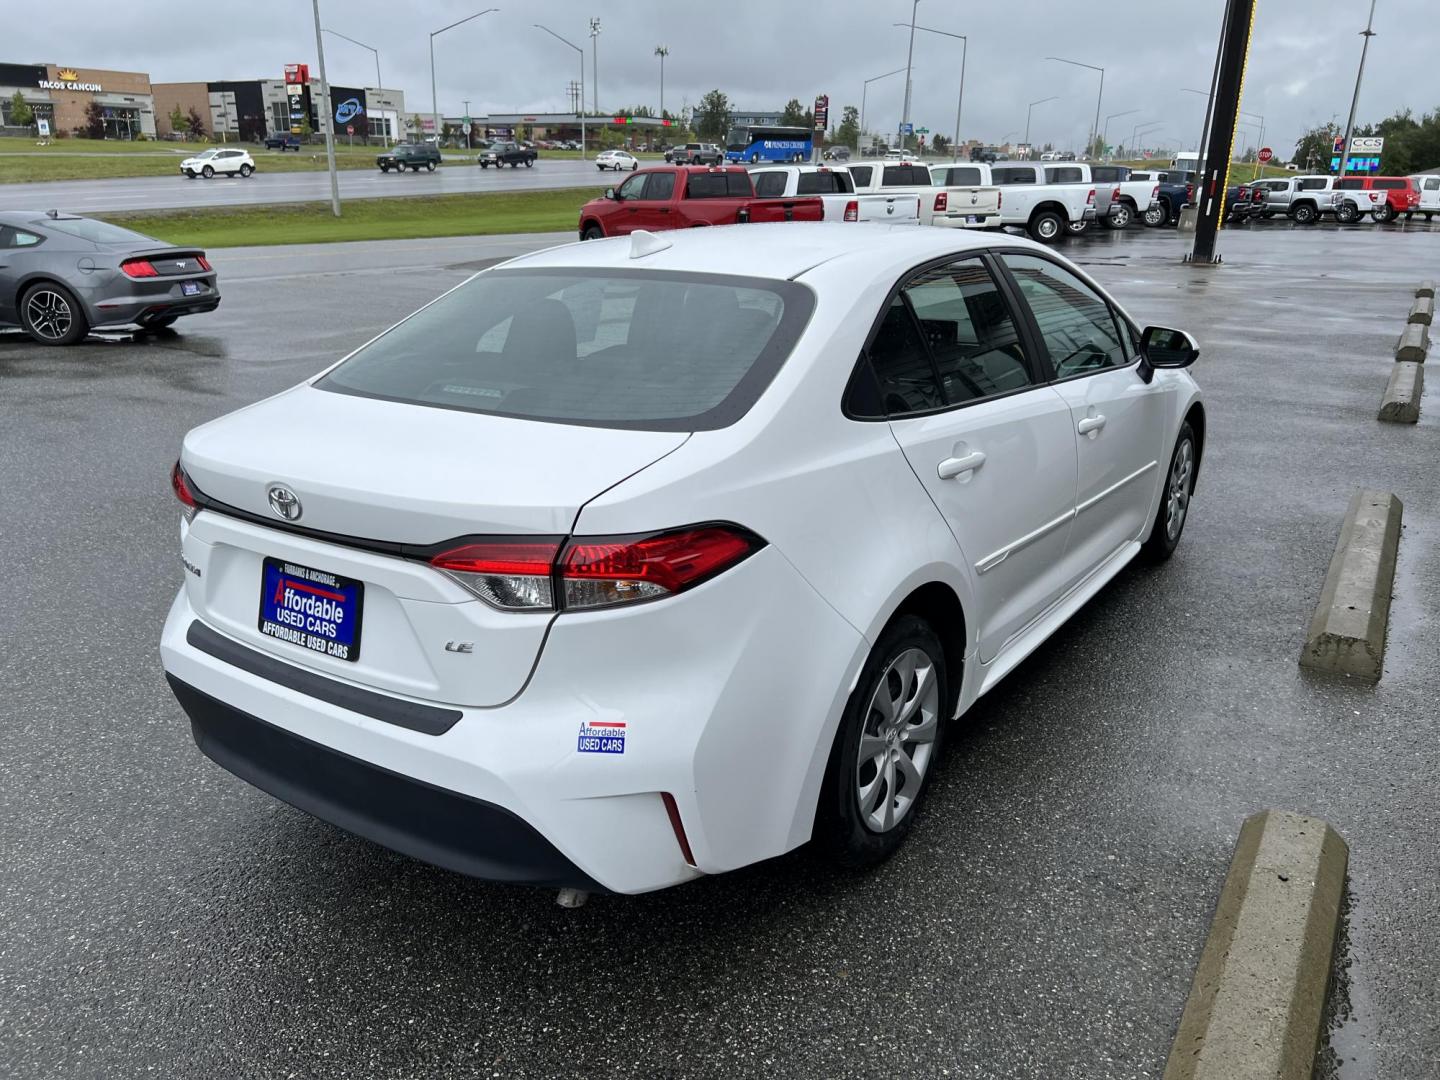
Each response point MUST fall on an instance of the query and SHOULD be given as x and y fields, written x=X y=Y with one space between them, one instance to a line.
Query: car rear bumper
x=958 y=221
x=154 y=300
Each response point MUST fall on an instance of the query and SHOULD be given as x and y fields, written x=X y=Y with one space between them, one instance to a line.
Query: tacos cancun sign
x=70 y=81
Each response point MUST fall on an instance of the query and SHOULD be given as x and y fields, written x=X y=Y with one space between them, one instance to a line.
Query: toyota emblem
x=284 y=502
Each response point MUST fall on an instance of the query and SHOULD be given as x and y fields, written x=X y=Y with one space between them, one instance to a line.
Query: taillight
x=204 y=262
x=139 y=268
x=1155 y=192
x=600 y=571
x=180 y=484
x=942 y=200
x=999 y=199
x=852 y=210
x=1115 y=194
x=1090 y=199
x=1189 y=193
x=511 y=574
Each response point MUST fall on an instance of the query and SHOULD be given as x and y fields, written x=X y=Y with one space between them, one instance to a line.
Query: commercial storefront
x=122 y=102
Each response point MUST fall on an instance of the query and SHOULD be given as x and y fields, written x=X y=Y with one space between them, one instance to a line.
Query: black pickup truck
x=506 y=153
x=412 y=156
x=282 y=143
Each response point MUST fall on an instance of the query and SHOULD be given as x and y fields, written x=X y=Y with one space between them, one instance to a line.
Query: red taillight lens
x=852 y=210
x=139 y=268
x=598 y=572
x=511 y=574
x=180 y=484
x=1114 y=194
x=1090 y=199
x=1155 y=192
x=999 y=199
x=942 y=200
x=204 y=262
x=1189 y=193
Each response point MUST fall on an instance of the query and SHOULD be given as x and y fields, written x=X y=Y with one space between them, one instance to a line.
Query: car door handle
x=1089 y=424
x=958 y=466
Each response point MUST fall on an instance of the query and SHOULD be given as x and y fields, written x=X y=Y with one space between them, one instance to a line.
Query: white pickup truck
x=836 y=189
x=1046 y=211
x=955 y=206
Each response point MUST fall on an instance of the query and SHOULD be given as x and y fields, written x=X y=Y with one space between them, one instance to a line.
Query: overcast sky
x=764 y=52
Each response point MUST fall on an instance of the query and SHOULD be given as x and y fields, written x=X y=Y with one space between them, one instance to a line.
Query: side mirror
x=1163 y=347
x=610 y=193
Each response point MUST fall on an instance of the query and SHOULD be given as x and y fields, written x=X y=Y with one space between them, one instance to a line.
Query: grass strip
x=398 y=218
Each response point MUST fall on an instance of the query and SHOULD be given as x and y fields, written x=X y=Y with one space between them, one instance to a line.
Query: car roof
x=778 y=251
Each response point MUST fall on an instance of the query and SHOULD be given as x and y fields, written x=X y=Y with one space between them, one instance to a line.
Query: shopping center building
x=62 y=96
x=247 y=110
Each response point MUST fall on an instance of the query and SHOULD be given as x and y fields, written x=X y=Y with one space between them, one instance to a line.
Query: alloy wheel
x=1177 y=492
x=49 y=314
x=897 y=740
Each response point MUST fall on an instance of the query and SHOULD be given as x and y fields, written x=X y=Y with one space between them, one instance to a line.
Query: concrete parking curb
x=1401 y=403
x=1347 y=631
x=1256 y=1005
x=1414 y=343
x=1427 y=288
x=1422 y=311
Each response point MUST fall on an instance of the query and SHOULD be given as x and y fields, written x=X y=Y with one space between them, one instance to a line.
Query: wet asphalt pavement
x=1044 y=919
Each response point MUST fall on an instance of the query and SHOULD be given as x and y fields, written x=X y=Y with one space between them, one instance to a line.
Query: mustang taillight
x=204 y=262
x=852 y=210
x=180 y=484
x=139 y=268
x=593 y=572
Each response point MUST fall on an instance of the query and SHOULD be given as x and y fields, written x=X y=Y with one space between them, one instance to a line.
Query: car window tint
x=634 y=187
x=1076 y=325
x=1006 y=177
x=1069 y=174
x=971 y=334
x=594 y=347
x=769 y=185
x=1433 y=184
x=661 y=185
x=1312 y=185
x=97 y=232
x=1390 y=185
x=902 y=365
x=861 y=173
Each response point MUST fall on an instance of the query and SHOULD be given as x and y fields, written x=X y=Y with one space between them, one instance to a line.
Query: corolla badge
x=347 y=110
x=284 y=502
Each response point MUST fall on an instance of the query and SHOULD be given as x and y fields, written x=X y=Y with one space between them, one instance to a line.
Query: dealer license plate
x=310 y=608
x=190 y=288
x=972 y=219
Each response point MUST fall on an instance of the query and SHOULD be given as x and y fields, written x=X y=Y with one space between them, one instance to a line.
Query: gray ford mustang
x=62 y=276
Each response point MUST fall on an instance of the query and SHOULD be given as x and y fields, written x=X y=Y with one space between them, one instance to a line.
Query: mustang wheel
x=52 y=316
x=1174 y=498
x=886 y=745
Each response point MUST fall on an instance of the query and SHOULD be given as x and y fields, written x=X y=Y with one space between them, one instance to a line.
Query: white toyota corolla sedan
x=523 y=589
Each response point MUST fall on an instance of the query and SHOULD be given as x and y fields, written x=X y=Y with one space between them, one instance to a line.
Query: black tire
x=189 y=174
x=1047 y=227
x=529 y=163
x=1305 y=214
x=430 y=166
x=56 y=302
x=245 y=171
x=1120 y=218
x=207 y=172
x=384 y=168
x=514 y=164
x=1347 y=214
x=1161 y=544
x=1383 y=213
x=841 y=829
x=1077 y=228
x=1158 y=215
x=592 y=232
x=632 y=167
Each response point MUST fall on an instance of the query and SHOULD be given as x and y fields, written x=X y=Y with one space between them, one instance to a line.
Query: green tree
x=848 y=133
x=21 y=114
x=94 y=125
x=794 y=114
x=177 y=120
x=1315 y=148
x=712 y=116
x=941 y=144
x=195 y=123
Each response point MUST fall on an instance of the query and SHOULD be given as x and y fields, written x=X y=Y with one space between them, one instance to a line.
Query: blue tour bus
x=768 y=143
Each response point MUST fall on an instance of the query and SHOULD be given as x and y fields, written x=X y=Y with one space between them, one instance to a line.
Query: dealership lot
x=1044 y=918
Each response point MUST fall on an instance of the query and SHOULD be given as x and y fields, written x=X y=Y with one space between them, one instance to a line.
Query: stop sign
x=350 y=130
x=1265 y=154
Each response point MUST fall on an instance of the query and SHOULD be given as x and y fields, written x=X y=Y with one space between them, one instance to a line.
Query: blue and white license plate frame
x=311 y=609
x=191 y=288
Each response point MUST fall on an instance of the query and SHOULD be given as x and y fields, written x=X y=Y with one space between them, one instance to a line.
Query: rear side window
x=11 y=237
x=825 y=183
x=907 y=379
x=861 y=173
x=1007 y=177
x=1066 y=174
x=1315 y=184
x=905 y=176
x=1390 y=185
x=661 y=185
x=594 y=347
x=97 y=232
x=1080 y=331
x=718 y=185
x=769 y=185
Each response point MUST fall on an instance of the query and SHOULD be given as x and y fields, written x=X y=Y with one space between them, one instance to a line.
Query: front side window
x=1079 y=330
x=590 y=347
x=634 y=187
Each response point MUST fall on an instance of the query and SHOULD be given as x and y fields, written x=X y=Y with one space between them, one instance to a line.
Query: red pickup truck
x=680 y=197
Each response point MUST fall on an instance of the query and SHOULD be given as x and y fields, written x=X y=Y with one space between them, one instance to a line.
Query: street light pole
x=385 y=134
x=964 y=52
x=909 y=56
x=1105 y=134
x=580 y=94
x=1367 y=34
x=1098 y=99
x=1031 y=108
x=434 y=101
x=1141 y=128
x=327 y=115
x=866 y=90
x=595 y=64
x=662 y=51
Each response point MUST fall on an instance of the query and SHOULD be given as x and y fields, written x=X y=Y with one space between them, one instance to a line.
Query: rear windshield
x=825 y=183
x=97 y=232
x=726 y=185
x=861 y=173
x=959 y=175
x=907 y=175
x=603 y=347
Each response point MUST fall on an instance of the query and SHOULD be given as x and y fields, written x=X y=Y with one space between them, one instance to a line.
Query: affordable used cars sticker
x=602 y=737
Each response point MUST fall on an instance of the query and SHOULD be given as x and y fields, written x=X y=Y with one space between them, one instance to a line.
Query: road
x=157 y=914
x=170 y=192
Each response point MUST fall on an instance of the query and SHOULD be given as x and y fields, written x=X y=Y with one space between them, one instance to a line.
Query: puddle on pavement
x=1348 y=1041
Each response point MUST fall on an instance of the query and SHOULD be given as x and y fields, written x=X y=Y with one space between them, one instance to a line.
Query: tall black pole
x=1224 y=110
